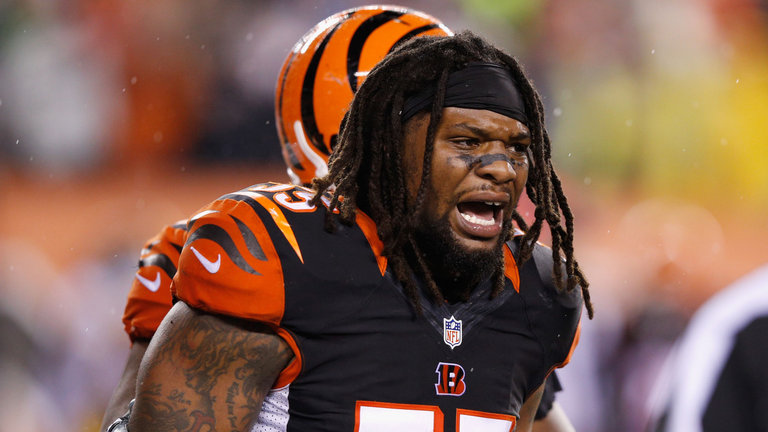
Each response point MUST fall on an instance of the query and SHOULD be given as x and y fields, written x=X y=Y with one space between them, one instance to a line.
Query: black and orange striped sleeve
x=149 y=298
x=229 y=264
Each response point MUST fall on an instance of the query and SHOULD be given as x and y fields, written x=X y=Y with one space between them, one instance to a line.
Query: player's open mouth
x=481 y=218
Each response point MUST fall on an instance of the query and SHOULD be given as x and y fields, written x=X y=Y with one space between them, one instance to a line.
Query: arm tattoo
x=208 y=373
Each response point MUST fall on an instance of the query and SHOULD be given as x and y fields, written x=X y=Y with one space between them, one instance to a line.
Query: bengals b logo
x=450 y=379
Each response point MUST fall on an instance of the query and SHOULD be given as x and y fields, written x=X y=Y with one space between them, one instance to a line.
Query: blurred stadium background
x=117 y=117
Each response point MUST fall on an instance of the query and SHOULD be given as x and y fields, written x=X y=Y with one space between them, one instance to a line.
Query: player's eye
x=465 y=141
x=518 y=147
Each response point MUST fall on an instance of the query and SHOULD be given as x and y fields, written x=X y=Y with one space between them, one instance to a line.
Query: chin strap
x=121 y=424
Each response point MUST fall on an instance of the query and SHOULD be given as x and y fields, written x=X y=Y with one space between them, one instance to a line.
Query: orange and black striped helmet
x=323 y=71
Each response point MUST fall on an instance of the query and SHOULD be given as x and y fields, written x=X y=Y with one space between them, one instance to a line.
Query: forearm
x=126 y=388
x=202 y=370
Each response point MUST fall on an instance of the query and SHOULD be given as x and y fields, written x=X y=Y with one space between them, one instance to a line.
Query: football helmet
x=323 y=71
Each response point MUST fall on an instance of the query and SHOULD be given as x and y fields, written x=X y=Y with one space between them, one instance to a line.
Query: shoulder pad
x=229 y=264
x=554 y=314
x=542 y=260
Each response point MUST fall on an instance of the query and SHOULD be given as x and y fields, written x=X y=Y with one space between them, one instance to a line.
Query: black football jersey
x=365 y=360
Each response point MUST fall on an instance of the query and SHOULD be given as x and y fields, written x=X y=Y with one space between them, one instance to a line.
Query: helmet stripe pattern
x=412 y=33
x=358 y=40
x=307 y=103
x=324 y=70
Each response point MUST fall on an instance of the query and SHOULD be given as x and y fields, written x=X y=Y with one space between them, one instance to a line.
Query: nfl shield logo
x=452 y=332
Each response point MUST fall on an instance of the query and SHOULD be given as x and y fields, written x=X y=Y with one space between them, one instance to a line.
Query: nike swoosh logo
x=211 y=266
x=151 y=285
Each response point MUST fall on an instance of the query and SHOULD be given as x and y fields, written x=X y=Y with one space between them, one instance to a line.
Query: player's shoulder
x=232 y=261
x=265 y=214
x=247 y=247
x=276 y=204
x=538 y=272
x=554 y=312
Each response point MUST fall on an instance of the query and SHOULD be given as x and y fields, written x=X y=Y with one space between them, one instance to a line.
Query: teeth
x=476 y=220
x=491 y=203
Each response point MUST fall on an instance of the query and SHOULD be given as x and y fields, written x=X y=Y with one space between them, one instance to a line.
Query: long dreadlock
x=367 y=168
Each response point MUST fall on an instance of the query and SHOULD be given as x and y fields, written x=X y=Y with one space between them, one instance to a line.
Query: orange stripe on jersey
x=510 y=268
x=573 y=345
x=293 y=369
x=278 y=217
x=368 y=227
x=570 y=351
x=149 y=298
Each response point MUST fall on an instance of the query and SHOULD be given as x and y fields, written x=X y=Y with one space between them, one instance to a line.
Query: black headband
x=485 y=86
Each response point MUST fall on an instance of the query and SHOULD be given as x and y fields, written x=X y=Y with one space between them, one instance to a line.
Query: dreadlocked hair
x=366 y=168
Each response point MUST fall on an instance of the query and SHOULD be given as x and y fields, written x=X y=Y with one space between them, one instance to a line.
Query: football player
x=313 y=91
x=331 y=60
x=285 y=326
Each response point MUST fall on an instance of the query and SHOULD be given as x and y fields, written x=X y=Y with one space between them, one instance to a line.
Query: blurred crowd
x=117 y=117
